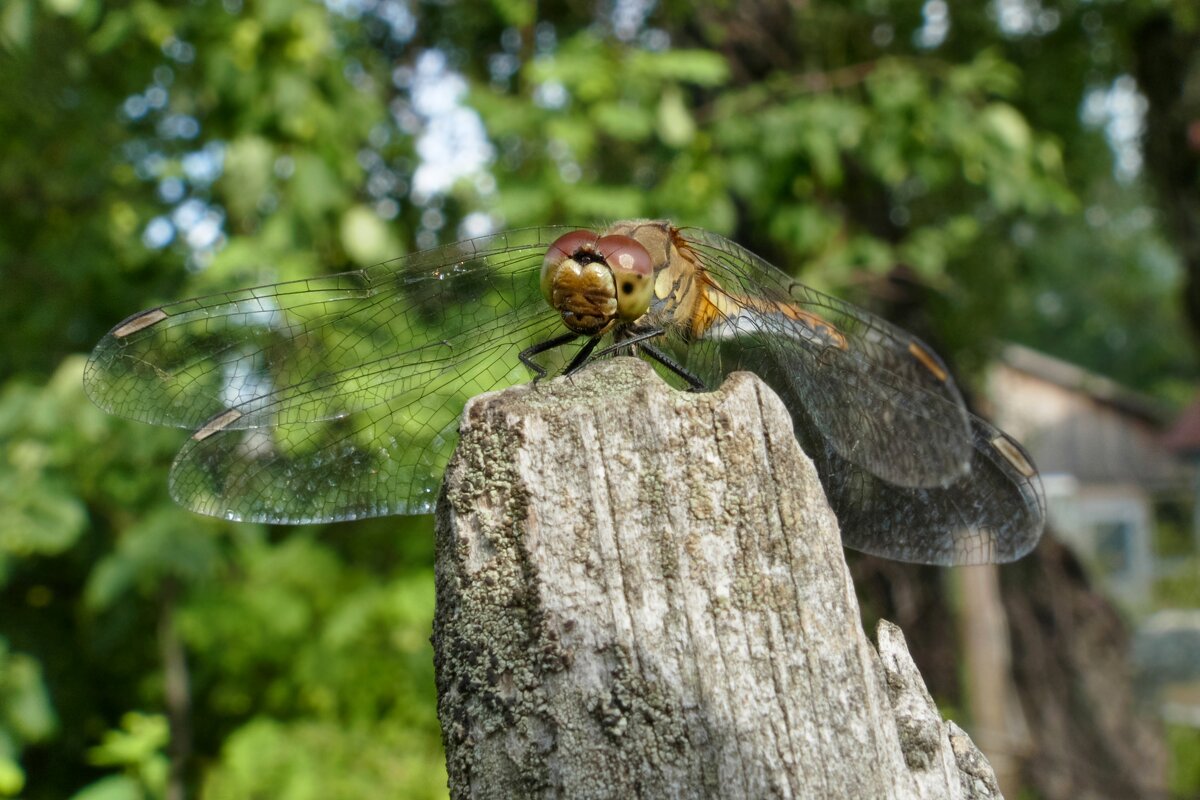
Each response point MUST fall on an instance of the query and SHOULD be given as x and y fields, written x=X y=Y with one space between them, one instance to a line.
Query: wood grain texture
x=642 y=593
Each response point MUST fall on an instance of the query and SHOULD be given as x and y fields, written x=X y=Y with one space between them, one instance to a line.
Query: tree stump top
x=642 y=593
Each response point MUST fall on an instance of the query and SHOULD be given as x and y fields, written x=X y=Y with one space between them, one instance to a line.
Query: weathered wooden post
x=642 y=593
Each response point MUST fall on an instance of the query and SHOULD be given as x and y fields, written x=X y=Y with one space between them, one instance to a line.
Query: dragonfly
x=337 y=397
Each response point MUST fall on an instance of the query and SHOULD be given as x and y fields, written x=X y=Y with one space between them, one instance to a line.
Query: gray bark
x=642 y=593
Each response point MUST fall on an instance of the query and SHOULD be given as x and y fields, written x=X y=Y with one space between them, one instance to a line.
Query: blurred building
x=1117 y=493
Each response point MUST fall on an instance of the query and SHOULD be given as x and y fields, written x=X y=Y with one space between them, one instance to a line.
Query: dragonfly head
x=594 y=281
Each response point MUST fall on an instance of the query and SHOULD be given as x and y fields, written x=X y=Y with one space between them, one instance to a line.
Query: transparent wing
x=872 y=388
x=330 y=398
x=911 y=474
x=994 y=513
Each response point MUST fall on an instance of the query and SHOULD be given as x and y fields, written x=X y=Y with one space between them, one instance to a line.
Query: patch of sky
x=475 y=224
x=178 y=126
x=205 y=165
x=379 y=136
x=545 y=38
x=935 y=25
x=284 y=167
x=629 y=17
x=502 y=67
x=149 y=165
x=158 y=234
x=356 y=76
x=387 y=208
x=171 y=189
x=395 y=14
x=135 y=107
x=433 y=219
x=200 y=224
x=510 y=40
x=178 y=50
x=452 y=143
x=1120 y=110
x=401 y=22
x=1017 y=18
x=655 y=40
x=550 y=94
x=245 y=384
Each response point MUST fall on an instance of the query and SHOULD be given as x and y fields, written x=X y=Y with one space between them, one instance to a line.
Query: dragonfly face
x=338 y=397
x=595 y=281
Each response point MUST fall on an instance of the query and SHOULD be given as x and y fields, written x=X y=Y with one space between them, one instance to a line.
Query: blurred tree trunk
x=642 y=593
x=177 y=692
x=1167 y=68
x=1070 y=668
x=998 y=721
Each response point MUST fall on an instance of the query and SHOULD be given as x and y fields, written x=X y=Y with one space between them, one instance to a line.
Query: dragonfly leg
x=582 y=356
x=636 y=341
x=631 y=341
x=693 y=381
x=528 y=353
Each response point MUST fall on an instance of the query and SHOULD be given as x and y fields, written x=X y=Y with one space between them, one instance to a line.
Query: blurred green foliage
x=151 y=151
x=1180 y=588
x=1185 y=760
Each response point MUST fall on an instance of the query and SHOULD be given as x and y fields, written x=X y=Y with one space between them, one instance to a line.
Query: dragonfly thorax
x=594 y=282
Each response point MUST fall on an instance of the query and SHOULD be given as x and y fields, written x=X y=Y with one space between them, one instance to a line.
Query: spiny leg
x=631 y=337
x=528 y=353
x=582 y=356
x=693 y=381
x=637 y=341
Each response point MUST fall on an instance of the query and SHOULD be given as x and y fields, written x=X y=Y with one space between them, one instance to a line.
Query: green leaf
x=66 y=8
x=675 y=124
x=1008 y=127
x=139 y=739
x=367 y=238
x=699 y=67
x=25 y=707
x=806 y=228
x=604 y=202
x=312 y=759
x=12 y=777
x=16 y=24
x=116 y=27
x=517 y=13
x=249 y=161
x=42 y=514
x=113 y=787
x=315 y=188
x=524 y=204
x=621 y=120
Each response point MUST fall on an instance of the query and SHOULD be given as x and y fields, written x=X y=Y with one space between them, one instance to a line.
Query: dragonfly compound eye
x=573 y=246
x=633 y=272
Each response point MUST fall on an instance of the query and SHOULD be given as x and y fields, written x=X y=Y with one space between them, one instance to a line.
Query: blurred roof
x=1076 y=378
x=1078 y=423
